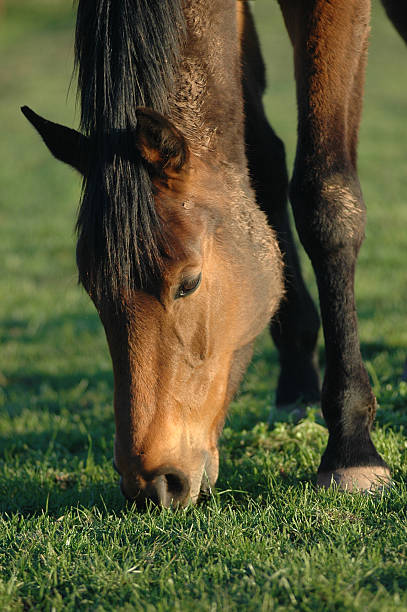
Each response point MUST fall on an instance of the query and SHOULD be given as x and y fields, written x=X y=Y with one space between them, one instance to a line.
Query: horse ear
x=65 y=144
x=160 y=143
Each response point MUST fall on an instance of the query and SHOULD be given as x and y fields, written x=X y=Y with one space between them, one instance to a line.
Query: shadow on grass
x=79 y=435
x=54 y=393
x=34 y=386
x=26 y=331
x=236 y=487
x=371 y=350
x=29 y=496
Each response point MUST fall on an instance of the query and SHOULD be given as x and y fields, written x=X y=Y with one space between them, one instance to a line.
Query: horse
x=184 y=243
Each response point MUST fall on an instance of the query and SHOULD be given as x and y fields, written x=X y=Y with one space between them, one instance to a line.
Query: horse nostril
x=177 y=485
x=169 y=487
x=166 y=486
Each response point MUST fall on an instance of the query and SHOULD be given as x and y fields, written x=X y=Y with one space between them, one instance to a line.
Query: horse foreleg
x=295 y=327
x=397 y=14
x=330 y=48
x=396 y=11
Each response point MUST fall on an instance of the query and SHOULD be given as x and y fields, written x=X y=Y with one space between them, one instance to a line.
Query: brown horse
x=173 y=249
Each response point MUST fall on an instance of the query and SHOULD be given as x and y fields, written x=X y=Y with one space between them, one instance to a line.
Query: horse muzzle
x=167 y=486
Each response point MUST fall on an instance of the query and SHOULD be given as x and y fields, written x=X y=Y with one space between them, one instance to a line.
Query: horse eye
x=188 y=286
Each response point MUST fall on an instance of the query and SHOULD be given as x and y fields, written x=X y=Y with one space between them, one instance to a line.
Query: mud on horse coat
x=175 y=252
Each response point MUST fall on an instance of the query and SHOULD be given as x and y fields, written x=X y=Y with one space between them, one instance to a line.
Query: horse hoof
x=365 y=479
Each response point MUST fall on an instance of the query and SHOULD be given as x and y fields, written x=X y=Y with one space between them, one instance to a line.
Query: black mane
x=126 y=53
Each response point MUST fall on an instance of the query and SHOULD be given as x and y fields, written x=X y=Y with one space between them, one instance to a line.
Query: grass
x=266 y=540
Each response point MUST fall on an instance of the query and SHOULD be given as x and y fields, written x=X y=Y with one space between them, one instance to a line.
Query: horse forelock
x=126 y=56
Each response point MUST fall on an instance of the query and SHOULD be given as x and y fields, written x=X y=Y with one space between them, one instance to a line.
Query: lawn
x=266 y=539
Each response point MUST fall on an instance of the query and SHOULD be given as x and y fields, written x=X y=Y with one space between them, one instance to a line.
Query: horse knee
x=329 y=213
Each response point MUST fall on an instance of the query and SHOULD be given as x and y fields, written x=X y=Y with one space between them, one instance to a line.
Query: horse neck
x=208 y=101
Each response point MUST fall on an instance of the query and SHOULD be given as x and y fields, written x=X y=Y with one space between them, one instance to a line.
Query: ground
x=266 y=539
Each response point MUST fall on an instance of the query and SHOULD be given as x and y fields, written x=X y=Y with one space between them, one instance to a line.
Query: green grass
x=266 y=540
